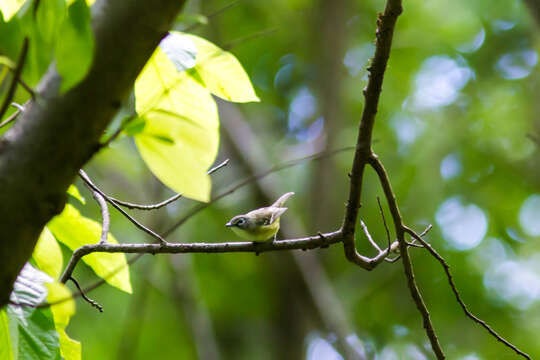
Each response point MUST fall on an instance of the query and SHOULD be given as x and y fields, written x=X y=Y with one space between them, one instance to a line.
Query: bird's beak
x=229 y=224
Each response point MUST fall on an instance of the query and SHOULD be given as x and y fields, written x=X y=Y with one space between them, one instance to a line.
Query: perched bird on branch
x=260 y=224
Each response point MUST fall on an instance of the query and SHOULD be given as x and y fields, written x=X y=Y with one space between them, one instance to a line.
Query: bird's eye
x=240 y=221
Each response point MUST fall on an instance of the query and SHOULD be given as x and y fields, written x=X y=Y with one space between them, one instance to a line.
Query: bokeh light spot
x=450 y=167
x=320 y=349
x=463 y=226
x=515 y=281
x=517 y=65
x=529 y=215
x=439 y=81
x=357 y=58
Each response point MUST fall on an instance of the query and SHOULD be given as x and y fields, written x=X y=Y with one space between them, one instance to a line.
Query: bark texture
x=57 y=134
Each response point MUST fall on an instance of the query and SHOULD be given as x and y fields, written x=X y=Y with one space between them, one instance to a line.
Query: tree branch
x=404 y=253
x=37 y=162
x=311 y=242
x=474 y=318
x=385 y=29
x=364 y=155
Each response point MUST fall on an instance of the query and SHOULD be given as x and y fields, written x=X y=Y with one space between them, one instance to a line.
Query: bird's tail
x=279 y=202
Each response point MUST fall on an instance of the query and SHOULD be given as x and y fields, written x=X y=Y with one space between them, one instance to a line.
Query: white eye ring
x=241 y=221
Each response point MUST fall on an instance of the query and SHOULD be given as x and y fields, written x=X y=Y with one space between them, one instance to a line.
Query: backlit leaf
x=221 y=72
x=48 y=255
x=176 y=107
x=75 y=230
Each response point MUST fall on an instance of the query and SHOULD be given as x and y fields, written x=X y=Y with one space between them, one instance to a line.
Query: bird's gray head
x=239 y=221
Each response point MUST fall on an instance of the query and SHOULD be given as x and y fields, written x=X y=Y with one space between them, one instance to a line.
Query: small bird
x=260 y=224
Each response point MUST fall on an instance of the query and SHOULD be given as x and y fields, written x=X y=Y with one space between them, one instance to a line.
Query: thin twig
x=16 y=75
x=28 y=89
x=130 y=205
x=117 y=131
x=446 y=268
x=217 y=167
x=23 y=83
x=368 y=235
x=384 y=222
x=18 y=106
x=244 y=39
x=10 y=119
x=214 y=14
x=377 y=165
x=92 y=186
x=106 y=219
x=86 y=298
x=146 y=207
x=251 y=179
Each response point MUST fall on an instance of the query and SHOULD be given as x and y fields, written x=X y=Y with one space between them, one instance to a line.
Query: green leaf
x=74 y=50
x=180 y=50
x=12 y=36
x=73 y=191
x=4 y=60
x=6 y=346
x=135 y=126
x=221 y=72
x=195 y=19
x=62 y=311
x=75 y=230
x=49 y=16
x=35 y=330
x=176 y=107
x=48 y=255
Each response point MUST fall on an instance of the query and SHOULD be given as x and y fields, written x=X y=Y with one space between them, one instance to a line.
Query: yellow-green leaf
x=10 y=7
x=48 y=255
x=73 y=191
x=177 y=108
x=75 y=230
x=221 y=72
x=6 y=346
x=69 y=349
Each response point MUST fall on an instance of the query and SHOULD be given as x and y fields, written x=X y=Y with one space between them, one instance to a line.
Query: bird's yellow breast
x=258 y=233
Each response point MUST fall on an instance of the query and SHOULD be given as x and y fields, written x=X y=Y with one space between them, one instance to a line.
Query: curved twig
x=106 y=219
x=16 y=76
x=94 y=303
x=130 y=205
x=473 y=317
x=93 y=187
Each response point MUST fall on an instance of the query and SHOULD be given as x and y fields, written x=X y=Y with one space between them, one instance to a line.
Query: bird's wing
x=277 y=212
x=266 y=216
x=279 y=202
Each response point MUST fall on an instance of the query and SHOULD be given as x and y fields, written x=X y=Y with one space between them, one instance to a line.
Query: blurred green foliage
x=458 y=101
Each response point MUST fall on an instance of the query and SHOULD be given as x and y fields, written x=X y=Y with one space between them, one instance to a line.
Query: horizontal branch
x=311 y=242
